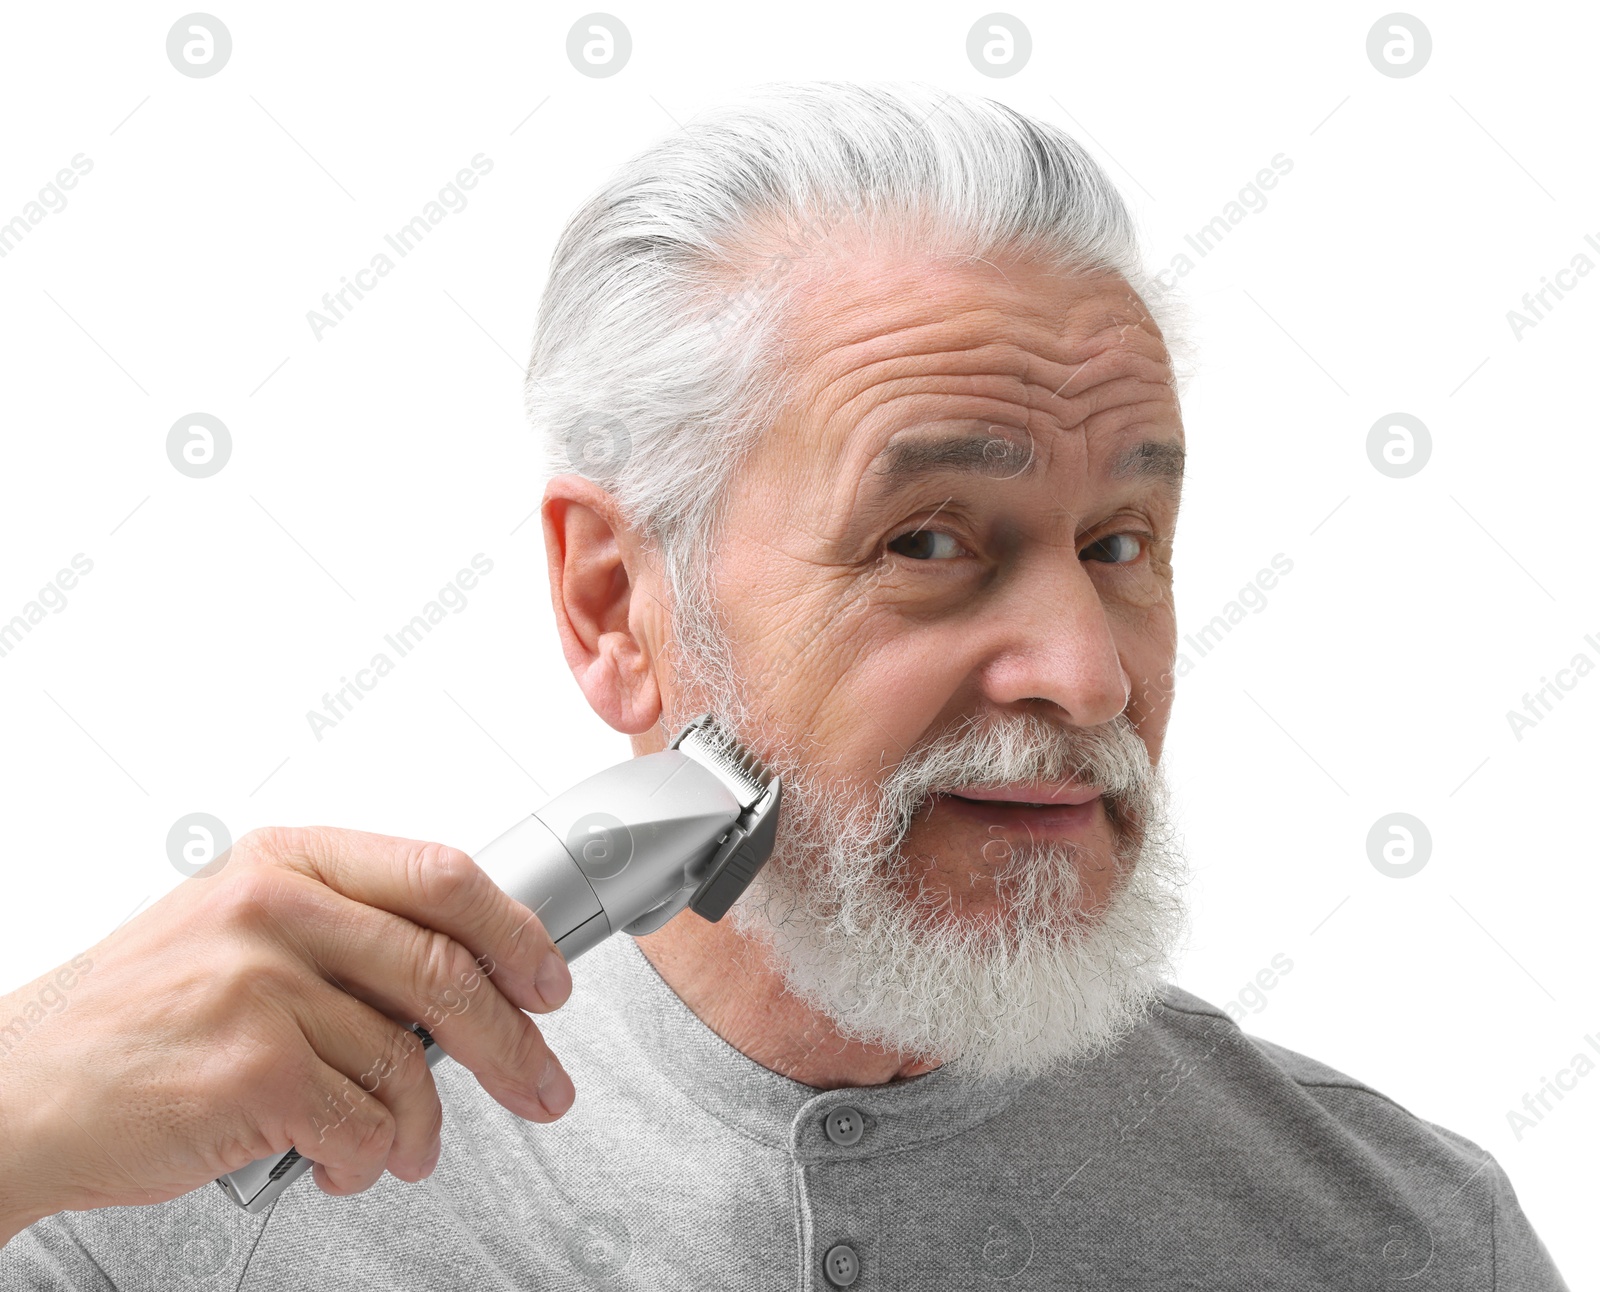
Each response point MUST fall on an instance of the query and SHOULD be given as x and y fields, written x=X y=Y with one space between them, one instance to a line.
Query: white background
x=370 y=465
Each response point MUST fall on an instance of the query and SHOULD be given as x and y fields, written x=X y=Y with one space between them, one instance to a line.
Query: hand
x=264 y=1004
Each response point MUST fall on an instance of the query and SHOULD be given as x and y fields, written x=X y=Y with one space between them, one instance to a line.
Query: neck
x=732 y=985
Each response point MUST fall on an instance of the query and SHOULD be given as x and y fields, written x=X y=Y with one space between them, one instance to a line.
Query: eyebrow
x=1153 y=460
x=982 y=452
x=990 y=453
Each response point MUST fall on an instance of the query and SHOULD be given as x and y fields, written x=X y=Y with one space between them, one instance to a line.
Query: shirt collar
x=646 y=1024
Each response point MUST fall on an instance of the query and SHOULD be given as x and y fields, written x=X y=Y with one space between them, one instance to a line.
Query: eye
x=926 y=544
x=1114 y=549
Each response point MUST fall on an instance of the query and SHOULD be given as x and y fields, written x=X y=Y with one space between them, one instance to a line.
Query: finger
x=420 y=975
x=387 y=1062
x=344 y=1131
x=309 y=1048
x=437 y=888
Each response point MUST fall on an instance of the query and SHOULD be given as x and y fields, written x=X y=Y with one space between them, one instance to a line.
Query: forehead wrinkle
x=1028 y=340
x=1103 y=408
x=850 y=305
x=1009 y=347
x=1002 y=371
x=1117 y=388
x=844 y=293
x=864 y=341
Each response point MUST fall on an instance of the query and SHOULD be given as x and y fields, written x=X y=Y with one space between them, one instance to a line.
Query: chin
x=1027 y=969
x=1042 y=889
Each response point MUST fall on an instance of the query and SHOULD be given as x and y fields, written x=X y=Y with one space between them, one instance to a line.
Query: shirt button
x=841 y=1265
x=844 y=1125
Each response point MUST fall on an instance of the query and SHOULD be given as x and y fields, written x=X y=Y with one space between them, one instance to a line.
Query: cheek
x=793 y=656
x=1147 y=642
x=879 y=697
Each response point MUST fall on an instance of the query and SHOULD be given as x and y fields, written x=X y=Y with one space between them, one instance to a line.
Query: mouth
x=1042 y=811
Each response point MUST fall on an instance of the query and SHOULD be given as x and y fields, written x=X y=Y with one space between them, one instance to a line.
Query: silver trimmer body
x=628 y=848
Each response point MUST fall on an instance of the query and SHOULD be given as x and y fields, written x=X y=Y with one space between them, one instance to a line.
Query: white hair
x=652 y=363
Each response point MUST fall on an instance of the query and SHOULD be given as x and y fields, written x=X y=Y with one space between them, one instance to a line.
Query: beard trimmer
x=628 y=848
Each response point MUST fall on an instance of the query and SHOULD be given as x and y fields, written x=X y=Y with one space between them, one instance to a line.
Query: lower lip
x=1064 y=820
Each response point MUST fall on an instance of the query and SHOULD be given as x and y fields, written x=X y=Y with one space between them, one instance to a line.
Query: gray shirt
x=1192 y=1156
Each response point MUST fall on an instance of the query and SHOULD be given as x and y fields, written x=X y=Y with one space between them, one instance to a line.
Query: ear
x=611 y=623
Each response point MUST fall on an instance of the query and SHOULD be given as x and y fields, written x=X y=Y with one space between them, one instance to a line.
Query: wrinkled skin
x=869 y=617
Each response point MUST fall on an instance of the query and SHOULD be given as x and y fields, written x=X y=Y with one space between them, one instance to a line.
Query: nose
x=1054 y=642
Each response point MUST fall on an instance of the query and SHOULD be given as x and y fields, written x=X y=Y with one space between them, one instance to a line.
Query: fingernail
x=554 y=980
x=555 y=1088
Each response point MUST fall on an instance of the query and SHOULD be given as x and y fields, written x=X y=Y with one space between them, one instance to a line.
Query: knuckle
x=403 y=1066
x=248 y=1144
x=259 y=1066
x=243 y=985
x=268 y=843
x=372 y=1129
x=438 y=961
x=257 y=842
x=340 y=1126
x=440 y=876
x=263 y=986
x=246 y=897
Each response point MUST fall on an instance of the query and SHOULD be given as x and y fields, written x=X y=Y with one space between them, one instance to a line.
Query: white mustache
x=1024 y=748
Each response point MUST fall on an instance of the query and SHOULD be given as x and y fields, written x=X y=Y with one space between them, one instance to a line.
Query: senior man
x=865 y=436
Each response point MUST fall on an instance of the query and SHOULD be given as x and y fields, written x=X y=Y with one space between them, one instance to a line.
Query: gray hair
x=654 y=351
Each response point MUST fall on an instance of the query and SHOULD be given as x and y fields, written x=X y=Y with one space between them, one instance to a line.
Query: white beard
x=1037 y=981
